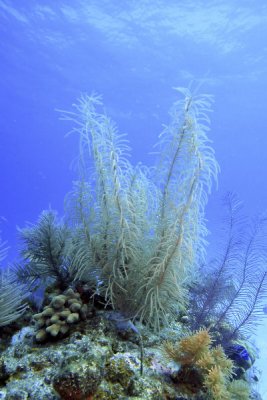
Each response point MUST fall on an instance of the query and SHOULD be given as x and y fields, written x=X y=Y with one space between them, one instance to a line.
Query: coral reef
x=95 y=362
x=122 y=274
x=77 y=381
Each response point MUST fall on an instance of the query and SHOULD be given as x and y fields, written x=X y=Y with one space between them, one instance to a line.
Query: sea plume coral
x=45 y=248
x=12 y=294
x=12 y=298
x=231 y=299
x=134 y=234
x=143 y=233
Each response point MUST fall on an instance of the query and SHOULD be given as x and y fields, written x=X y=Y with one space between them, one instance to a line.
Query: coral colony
x=131 y=307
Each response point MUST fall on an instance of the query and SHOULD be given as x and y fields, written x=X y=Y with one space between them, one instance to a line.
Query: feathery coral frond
x=185 y=173
x=144 y=236
x=235 y=292
x=12 y=296
x=3 y=250
x=45 y=250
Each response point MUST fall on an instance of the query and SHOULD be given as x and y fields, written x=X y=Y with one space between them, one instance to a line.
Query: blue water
x=133 y=53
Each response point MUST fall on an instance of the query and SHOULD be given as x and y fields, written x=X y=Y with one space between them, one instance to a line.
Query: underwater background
x=133 y=53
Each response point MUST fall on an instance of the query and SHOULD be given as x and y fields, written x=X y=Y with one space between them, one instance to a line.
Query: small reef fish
x=121 y=322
